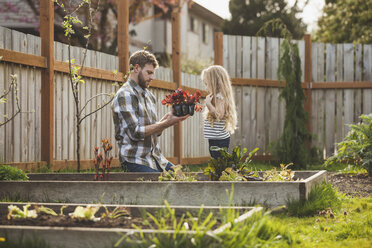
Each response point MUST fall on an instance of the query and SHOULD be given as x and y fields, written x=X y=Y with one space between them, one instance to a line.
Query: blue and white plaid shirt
x=133 y=109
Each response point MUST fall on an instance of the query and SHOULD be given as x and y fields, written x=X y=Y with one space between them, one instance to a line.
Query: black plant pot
x=185 y=109
x=191 y=109
x=177 y=110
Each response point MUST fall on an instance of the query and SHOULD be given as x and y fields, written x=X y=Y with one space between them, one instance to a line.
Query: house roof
x=199 y=10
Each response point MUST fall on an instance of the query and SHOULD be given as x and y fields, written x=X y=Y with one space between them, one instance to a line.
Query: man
x=135 y=119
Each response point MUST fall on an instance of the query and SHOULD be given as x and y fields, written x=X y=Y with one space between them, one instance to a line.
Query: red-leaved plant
x=183 y=97
x=106 y=159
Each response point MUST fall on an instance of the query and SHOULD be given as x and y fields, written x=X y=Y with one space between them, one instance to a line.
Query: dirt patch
x=352 y=185
x=67 y=221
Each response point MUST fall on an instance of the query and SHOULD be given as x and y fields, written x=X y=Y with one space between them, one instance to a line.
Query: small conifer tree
x=291 y=147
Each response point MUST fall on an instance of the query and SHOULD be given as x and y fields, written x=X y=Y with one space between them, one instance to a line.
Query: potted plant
x=182 y=102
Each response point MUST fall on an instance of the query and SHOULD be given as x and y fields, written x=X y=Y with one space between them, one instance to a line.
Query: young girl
x=220 y=115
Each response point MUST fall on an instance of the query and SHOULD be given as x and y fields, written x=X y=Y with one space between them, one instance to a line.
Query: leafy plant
x=176 y=175
x=106 y=159
x=356 y=146
x=116 y=213
x=180 y=96
x=237 y=161
x=8 y=172
x=85 y=213
x=284 y=174
x=321 y=197
x=17 y=213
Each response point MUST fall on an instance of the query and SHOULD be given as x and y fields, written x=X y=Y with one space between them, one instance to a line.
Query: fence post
x=123 y=35
x=47 y=80
x=176 y=67
x=308 y=81
x=218 y=48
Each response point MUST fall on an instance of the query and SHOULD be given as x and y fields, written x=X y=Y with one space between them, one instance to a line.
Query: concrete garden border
x=209 y=193
x=100 y=237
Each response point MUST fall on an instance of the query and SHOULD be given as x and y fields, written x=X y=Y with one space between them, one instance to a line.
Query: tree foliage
x=248 y=16
x=346 y=21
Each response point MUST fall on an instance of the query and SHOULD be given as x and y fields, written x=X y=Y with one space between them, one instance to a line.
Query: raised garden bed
x=67 y=232
x=209 y=193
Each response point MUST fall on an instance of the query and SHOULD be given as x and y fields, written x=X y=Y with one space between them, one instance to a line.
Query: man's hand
x=168 y=120
x=171 y=119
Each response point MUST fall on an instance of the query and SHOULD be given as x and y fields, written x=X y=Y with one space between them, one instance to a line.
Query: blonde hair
x=217 y=81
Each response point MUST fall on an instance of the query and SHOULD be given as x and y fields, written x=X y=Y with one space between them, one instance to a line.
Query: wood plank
x=246 y=117
x=320 y=132
x=123 y=37
x=254 y=58
x=269 y=58
x=253 y=119
x=58 y=126
x=274 y=117
x=260 y=135
x=16 y=122
x=314 y=113
x=348 y=94
x=24 y=94
x=2 y=106
x=358 y=77
x=37 y=88
x=31 y=77
x=267 y=117
x=238 y=52
x=339 y=94
x=23 y=58
x=261 y=58
x=176 y=67
x=47 y=86
x=330 y=98
x=231 y=62
x=274 y=58
x=239 y=110
x=218 y=48
x=246 y=67
x=367 y=76
x=225 y=52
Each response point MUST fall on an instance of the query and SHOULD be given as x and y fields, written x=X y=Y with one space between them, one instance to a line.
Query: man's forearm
x=156 y=128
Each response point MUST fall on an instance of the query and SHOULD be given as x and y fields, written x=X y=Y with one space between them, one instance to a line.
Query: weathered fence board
x=332 y=109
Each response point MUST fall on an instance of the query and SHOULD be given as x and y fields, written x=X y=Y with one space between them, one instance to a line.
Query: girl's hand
x=208 y=99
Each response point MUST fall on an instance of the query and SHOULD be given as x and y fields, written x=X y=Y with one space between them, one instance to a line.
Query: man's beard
x=141 y=81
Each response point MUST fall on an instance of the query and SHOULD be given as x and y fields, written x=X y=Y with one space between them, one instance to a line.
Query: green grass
x=350 y=226
x=321 y=197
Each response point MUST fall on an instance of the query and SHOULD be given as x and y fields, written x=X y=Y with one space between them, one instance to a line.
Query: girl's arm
x=217 y=112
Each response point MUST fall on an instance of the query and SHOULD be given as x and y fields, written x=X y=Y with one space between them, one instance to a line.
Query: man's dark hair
x=142 y=58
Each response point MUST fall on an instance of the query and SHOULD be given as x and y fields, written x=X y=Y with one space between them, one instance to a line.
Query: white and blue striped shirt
x=217 y=132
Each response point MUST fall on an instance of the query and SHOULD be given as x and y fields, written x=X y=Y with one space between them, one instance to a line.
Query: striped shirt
x=217 y=131
x=133 y=109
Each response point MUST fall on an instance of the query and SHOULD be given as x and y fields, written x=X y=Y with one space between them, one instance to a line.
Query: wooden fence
x=21 y=138
x=341 y=88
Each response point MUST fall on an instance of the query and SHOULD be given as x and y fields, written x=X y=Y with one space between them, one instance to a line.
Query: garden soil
x=359 y=185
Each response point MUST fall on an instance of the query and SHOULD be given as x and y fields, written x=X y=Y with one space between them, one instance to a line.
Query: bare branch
x=93 y=97
x=98 y=109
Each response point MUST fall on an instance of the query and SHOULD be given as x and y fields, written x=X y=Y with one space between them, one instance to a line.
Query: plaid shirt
x=133 y=109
